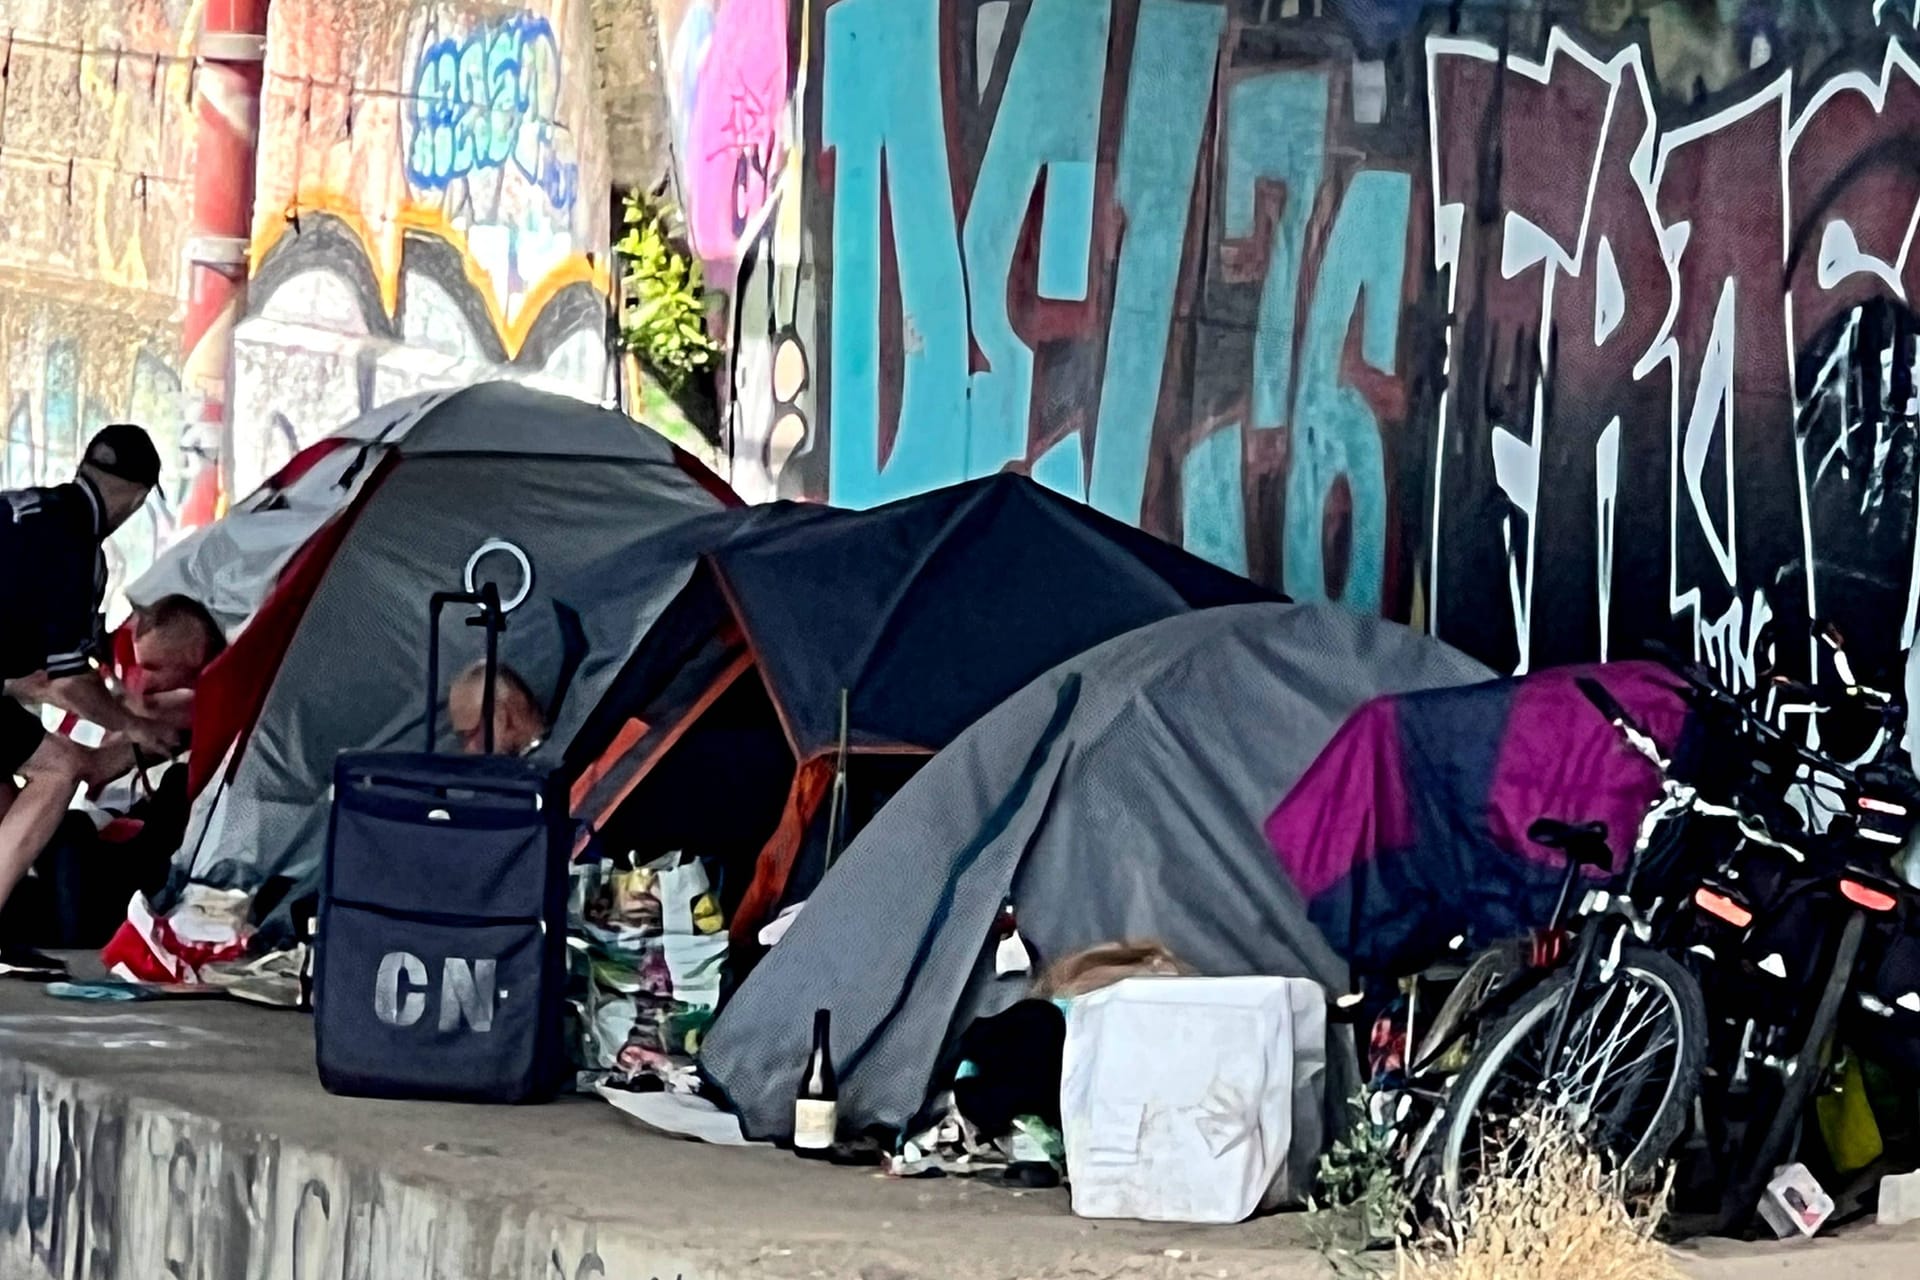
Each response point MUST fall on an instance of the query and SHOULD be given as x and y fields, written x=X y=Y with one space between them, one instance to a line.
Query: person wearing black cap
x=52 y=578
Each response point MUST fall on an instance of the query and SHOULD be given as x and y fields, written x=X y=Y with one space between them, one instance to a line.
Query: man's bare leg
x=53 y=773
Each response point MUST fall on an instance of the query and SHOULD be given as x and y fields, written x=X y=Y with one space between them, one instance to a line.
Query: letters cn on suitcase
x=441 y=960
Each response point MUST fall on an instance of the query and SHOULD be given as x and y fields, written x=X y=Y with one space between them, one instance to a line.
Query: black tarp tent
x=720 y=736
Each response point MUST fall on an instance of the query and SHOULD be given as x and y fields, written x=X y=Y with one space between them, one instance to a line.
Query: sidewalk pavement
x=191 y=1139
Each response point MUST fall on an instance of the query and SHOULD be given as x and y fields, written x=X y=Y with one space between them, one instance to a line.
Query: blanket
x=1410 y=829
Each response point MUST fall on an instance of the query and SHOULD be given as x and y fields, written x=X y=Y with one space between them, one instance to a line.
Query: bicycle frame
x=1742 y=1196
x=1503 y=997
x=1614 y=917
x=1533 y=970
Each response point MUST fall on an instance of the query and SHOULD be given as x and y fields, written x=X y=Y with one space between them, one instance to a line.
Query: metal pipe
x=229 y=62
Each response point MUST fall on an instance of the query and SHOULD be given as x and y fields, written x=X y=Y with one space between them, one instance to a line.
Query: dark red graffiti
x=1624 y=445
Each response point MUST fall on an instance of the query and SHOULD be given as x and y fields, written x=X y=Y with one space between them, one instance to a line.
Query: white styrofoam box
x=1899 y=1199
x=1794 y=1203
x=1193 y=1099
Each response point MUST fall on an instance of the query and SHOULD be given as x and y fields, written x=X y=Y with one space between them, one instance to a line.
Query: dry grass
x=1545 y=1210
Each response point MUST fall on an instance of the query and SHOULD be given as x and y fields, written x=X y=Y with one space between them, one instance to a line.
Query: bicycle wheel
x=1627 y=1076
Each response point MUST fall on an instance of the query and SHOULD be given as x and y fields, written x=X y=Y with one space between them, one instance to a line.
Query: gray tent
x=1118 y=796
x=586 y=521
x=230 y=565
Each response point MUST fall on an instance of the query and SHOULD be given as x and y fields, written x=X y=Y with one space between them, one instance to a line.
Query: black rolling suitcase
x=441 y=954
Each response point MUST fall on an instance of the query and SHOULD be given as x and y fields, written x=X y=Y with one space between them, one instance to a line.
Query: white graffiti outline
x=1875 y=90
x=1449 y=222
x=1880 y=10
x=1730 y=638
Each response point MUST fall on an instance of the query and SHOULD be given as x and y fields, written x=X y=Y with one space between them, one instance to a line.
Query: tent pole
x=837 y=801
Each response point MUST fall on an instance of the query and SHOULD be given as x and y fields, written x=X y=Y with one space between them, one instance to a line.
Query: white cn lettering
x=467 y=993
x=390 y=1004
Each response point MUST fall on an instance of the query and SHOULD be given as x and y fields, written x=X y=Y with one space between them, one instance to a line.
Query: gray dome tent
x=536 y=492
x=1120 y=795
x=229 y=566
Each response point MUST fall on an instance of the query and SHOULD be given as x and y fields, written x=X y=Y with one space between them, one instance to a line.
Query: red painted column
x=229 y=59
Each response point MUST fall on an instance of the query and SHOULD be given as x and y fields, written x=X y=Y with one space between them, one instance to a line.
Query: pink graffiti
x=735 y=137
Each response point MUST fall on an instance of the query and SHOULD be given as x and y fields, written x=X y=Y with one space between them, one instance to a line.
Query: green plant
x=1359 y=1200
x=664 y=319
x=1360 y=1168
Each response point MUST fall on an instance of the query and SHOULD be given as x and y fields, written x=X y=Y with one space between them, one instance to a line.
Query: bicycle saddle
x=1572 y=837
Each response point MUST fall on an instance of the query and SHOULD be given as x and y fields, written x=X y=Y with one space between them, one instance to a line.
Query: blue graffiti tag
x=486 y=99
x=1336 y=434
x=1332 y=249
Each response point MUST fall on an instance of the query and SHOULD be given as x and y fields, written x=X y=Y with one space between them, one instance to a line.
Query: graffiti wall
x=1556 y=327
x=735 y=74
x=432 y=210
x=95 y=149
x=1680 y=358
x=68 y=369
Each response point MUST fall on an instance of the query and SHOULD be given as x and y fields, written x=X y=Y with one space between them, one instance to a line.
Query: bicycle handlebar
x=1702 y=682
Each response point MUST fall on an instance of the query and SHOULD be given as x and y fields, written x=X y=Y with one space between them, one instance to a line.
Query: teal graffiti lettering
x=1049 y=121
x=884 y=125
x=1276 y=130
x=1171 y=84
x=1335 y=432
x=1213 y=503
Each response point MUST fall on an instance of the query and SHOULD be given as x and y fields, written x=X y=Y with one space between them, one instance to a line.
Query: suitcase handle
x=494 y=619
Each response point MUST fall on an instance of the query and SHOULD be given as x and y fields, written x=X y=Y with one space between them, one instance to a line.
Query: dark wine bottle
x=816 y=1107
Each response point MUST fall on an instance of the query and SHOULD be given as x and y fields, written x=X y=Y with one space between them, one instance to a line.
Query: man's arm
x=31 y=688
x=87 y=697
x=174 y=708
x=115 y=758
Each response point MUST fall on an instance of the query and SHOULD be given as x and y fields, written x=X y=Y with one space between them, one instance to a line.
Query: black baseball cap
x=126 y=451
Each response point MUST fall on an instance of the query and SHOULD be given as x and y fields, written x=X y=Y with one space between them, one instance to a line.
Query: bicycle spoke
x=1665 y=1042
x=1589 y=1023
x=1620 y=1049
x=1575 y=1063
x=1599 y=1066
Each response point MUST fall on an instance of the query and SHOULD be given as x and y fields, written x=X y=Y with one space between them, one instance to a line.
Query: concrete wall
x=432 y=209
x=626 y=49
x=96 y=1183
x=1554 y=325
x=95 y=149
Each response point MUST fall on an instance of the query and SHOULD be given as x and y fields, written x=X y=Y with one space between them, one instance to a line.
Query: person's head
x=124 y=467
x=174 y=639
x=518 y=722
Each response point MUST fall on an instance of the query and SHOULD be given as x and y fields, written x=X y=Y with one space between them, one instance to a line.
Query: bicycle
x=1651 y=986
x=1765 y=932
x=1612 y=1033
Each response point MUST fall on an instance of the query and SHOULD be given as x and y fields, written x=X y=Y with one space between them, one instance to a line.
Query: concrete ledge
x=191 y=1141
